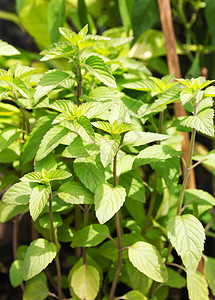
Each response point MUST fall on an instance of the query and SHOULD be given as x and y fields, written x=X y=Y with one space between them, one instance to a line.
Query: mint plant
x=86 y=157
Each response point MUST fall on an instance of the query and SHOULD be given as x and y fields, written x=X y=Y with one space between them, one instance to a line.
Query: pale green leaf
x=147 y=260
x=16 y=277
x=106 y=126
x=49 y=163
x=8 y=136
x=51 y=140
x=84 y=129
x=134 y=186
x=38 y=199
x=209 y=92
x=203 y=122
x=108 y=148
x=39 y=255
x=7 y=50
x=78 y=148
x=209 y=271
x=90 y=171
x=199 y=197
x=8 y=211
x=108 y=200
x=117 y=113
x=21 y=87
x=137 y=138
x=100 y=70
x=134 y=295
x=58 y=175
x=187 y=236
x=85 y=282
x=31 y=145
x=91 y=236
x=186 y=95
x=32 y=177
x=75 y=193
x=155 y=153
x=19 y=193
x=208 y=159
x=57 y=50
x=104 y=93
x=48 y=82
x=139 y=84
x=197 y=286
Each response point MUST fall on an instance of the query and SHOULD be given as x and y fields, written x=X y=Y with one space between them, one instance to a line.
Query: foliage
x=91 y=140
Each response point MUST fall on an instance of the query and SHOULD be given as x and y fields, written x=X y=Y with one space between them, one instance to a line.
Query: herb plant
x=86 y=155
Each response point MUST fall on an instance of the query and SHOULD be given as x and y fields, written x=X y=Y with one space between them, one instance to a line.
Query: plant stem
x=56 y=258
x=184 y=184
x=86 y=214
x=151 y=206
x=119 y=235
x=25 y=118
x=79 y=94
x=78 y=227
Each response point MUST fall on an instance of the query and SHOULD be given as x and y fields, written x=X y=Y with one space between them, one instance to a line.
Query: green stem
x=79 y=94
x=119 y=235
x=151 y=206
x=86 y=214
x=57 y=262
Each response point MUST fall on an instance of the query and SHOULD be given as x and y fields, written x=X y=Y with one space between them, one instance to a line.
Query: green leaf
x=56 y=16
x=100 y=70
x=36 y=289
x=85 y=282
x=203 y=122
x=91 y=236
x=49 y=163
x=125 y=10
x=7 y=50
x=139 y=281
x=21 y=87
x=137 y=138
x=209 y=158
x=134 y=295
x=8 y=136
x=187 y=236
x=106 y=126
x=90 y=171
x=19 y=193
x=108 y=200
x=8 y=211
x=31 y=146
x=16 y=277
x=38 y=199
x=147 y=260
x=51 y=140
x=148 y=9
x=58 y=175
x=209 y=92
x=197 y=286
x=39 y=255
x=155 y=153
x=78 y=148
x=134 y=186
x=44 y=221
x=48 y=82
x=199 y=197
x=108 y=148
x=209 y=15
x=57 y=50
x=209 y=271
x=75 y=193
x=32 y=177
x=82 y=12
x=33 y=17
x=84 y=129
x=65 y=233
x=175 y=280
